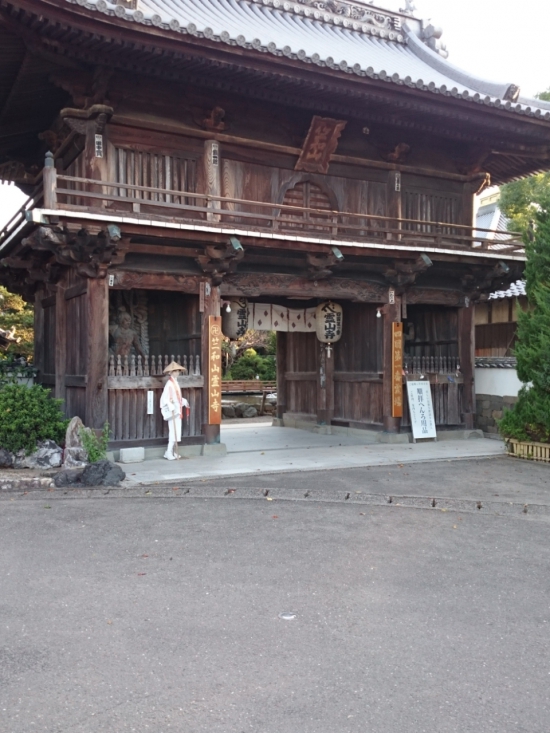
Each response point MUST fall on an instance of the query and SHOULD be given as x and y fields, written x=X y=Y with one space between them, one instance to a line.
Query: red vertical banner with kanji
x=397 y=370
x=214 y=385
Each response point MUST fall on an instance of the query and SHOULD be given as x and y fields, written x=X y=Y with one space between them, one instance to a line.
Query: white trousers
x=174 y=434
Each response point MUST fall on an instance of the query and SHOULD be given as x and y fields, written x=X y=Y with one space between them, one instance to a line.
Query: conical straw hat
x=173 y=367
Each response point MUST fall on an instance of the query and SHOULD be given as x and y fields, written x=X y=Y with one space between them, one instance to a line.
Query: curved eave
x=339 y=45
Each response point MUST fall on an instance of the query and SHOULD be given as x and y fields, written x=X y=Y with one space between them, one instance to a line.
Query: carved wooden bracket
x=322 y=266
x=221 y=259
x=397 y=154
x=402 y=274
x=78 y=119
x=89 y=254
x=480 y=281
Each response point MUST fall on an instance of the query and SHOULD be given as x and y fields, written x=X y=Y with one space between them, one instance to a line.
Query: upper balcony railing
x=72 y=193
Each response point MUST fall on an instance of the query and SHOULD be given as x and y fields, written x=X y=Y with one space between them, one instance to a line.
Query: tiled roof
x=515 y=290
x=353 y=37
x=496 y=362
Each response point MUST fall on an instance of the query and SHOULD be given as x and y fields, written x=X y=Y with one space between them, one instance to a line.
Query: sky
x=499 y=40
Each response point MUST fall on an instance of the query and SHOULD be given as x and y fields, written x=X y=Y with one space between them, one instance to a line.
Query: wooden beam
x=98 y=353
x=212 y=177
x=282 y=347
x=325 y=385
x=61 y=338
x=466 y=354
x=394 y=203
x=182 y=129
x=39 y=334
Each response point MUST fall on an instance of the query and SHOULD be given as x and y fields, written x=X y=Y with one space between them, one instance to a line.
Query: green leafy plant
x=29 y=415
x=95 y=447
x=18 y=315
x=13 y=369
x=252 y=364
x=529 y=419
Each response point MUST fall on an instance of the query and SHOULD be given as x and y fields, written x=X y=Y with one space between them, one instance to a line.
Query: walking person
x=172 y=405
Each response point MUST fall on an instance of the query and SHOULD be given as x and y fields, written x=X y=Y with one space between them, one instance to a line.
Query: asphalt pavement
x=187 y=608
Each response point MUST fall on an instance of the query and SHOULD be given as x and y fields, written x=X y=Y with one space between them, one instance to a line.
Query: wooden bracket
x=90 y=254
x=322 y=266
x=220 y=260
x=480 y=281
x=402 y=273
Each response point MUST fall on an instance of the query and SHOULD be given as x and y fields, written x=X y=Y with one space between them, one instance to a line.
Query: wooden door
x=301 y=373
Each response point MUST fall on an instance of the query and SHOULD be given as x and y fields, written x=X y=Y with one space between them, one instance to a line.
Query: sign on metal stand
x=421 y=410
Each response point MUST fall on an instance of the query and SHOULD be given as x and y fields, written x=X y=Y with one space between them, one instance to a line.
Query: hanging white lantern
x=235 y=321
x=329 y=318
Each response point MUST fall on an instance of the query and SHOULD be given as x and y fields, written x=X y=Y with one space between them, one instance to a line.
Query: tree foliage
x=15 y=313
x=530 y=418
x=252 y=365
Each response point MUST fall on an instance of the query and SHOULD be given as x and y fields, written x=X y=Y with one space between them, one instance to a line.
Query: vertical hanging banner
x=214 y=370
x=421 y=410
x=397 y=369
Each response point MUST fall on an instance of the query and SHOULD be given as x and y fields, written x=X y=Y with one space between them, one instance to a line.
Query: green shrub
x=29 y=415
x=250 y=365
x=530 y=417
x=95 y=447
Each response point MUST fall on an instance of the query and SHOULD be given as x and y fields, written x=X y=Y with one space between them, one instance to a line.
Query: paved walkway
x=259 y=447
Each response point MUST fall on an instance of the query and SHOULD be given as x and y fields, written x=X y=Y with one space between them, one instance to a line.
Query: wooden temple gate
x=159 y=190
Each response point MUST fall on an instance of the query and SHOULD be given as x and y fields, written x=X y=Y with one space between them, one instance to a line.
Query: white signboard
x=150 y=402
x=421 y=410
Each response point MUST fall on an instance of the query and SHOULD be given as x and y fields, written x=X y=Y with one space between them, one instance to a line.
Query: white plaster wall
x=499 y=382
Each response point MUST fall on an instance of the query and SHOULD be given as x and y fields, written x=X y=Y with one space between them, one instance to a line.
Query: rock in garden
x=6 y=458
x=250 y=411
x=75 y=454
x=228 y=411
x=240 y=407
x=47 y=455
x=102 y=473
x=75 y=458
x=72 y=436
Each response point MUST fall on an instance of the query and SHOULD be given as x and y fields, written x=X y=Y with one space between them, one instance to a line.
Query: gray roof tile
x=384 y=46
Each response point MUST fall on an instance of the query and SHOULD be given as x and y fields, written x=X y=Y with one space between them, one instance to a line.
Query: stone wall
x=489 y=409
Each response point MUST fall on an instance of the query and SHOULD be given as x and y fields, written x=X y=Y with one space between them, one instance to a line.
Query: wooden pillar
x=212 y=177
x=50 y=182
x=394 y=203
x=325 y=385
x=39 y=335
x=468 y=207
x=282 y=346
x=61 y=337
x=391 y=314
x=96 y=161
x=466 y=354
x=97 y=395
x=211 y=308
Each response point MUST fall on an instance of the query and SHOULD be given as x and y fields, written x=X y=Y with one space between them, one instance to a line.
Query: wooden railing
x=132 y=366
x=76 y=193
x=134 y=416
x=431 y=364
x=235 y=386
